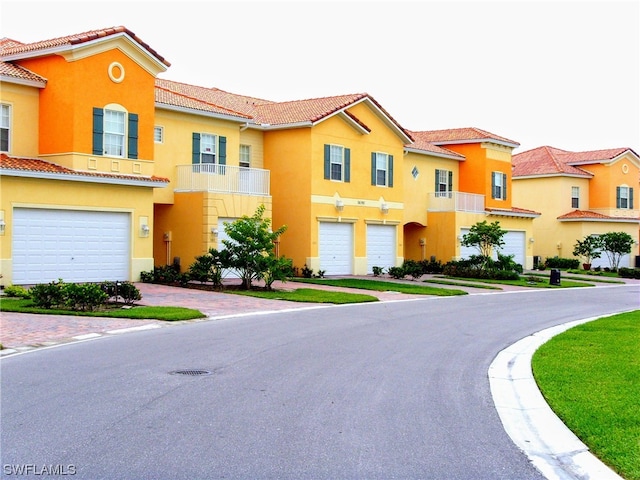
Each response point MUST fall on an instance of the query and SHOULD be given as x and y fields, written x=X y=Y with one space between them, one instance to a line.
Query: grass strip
x=169 y=314
x=382 y=286
x=309 y=295
x=592 y=278
x=523 y=282
x=590 y=376
x=461 y=284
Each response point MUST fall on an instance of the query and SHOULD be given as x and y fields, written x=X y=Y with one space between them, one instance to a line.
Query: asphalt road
x=374 y=391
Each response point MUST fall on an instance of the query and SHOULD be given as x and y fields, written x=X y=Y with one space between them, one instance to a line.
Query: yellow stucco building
x=579 y=194
x=107 y=170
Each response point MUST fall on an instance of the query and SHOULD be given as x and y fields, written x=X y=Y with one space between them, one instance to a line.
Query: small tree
x=615 y=245
x=588 y=248
x=485 y=237
x=251 y=240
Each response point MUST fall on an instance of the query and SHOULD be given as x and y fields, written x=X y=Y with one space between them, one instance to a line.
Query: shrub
x=307 y=272
x=563 y=263
x=16 y=291
x=625 y=272
x=377 y=271
x=397 y=272
x=209 y=267
x=125 y=290
x=83 y=297
x=431 y=266
x=272 y=268
x=166 y=274
x=412 y=268
x=48 y=295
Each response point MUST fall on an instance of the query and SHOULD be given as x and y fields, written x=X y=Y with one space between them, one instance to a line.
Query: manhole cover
x=191 y=372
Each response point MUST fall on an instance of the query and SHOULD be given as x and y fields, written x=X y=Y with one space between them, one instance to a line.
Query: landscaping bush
x=377 y=271
x=431 y=266
x=48 y=295
x=397 y=272
x=166 y=275
x=125 y=290
x=562 y=263
x=16 y=291
x=209 y=267
x=479 y=266
x=412 y=268
x=84 y=296
x=625 y=272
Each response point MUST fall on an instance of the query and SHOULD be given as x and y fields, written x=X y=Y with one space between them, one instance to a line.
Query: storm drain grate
x=191 y=372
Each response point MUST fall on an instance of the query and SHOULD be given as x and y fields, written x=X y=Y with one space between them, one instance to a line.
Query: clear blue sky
x=565 y=74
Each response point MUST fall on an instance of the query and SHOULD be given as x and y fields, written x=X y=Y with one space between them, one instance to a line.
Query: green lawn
x=523 y=282
x=382 y=286
x=169 y=314
x=310 y=295
x=590 y=376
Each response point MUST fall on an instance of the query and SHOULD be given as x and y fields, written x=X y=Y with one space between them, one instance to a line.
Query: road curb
x=527 y=418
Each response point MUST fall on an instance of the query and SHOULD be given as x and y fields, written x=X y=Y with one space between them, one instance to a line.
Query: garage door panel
x=381 y=242
x=336 y=248
x=75 y=245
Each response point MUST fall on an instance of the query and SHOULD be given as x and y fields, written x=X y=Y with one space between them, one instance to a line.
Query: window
x=575 y=197
x=207 y=148
x=381 y=169
x=499 y=185
x=624 y=197
x=245 y=156
x=337 y=163
x=444 y=183
x=5 y=126
x=115 y=133
x=158 y=134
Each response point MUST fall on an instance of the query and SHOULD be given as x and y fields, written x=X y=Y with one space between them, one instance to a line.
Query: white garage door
x=336 y=248
x=74 y=245
x=604 y=262
x=381 y=246
x=222 y=235
x=514 y=244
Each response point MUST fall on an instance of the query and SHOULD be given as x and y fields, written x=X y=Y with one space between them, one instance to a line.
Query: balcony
x=455 y=202
x=222 y=179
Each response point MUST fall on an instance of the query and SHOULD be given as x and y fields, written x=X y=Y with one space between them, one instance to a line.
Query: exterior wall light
x=144 y=230
x=2 y=226
x=531 y=240
x=339 y=205
x=384 y=208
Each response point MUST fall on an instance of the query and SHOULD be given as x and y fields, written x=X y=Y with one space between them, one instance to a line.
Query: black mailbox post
x=554 y=279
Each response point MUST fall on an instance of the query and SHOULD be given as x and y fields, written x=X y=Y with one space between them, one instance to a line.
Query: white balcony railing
x=455 y=202
x=222 y=179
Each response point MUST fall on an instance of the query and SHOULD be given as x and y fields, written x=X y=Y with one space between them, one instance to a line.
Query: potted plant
x=589 y=249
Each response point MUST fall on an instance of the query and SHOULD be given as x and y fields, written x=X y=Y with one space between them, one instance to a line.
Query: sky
x=560 y=73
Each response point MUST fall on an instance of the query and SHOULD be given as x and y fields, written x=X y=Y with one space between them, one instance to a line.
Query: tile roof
x=12 y=47
x=544 y=161
x=514 y=211
x=261 y=111
x=588 y=215
x=462 y=135
x=40 y=166
x=298 y=111
x=421 y=142
x=20 y=73
x=230 y=102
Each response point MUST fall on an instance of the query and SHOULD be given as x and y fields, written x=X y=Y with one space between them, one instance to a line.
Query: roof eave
x=79 y=177
x=203 y=113
x=549 y=175
x=23 y=81
x=433 y=154
x=477 y=140
x=605 y=220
